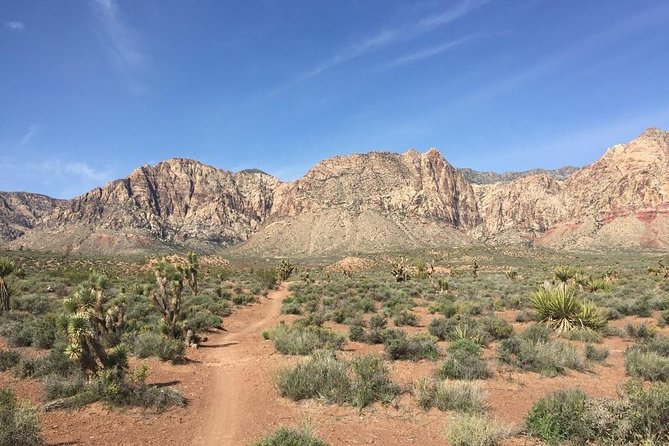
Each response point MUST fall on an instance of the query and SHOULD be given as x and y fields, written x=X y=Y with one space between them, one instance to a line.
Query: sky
x=92 y=89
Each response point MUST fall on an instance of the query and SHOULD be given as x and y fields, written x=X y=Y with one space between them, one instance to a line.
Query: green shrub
x=493 y=328
x=641 y=417
x=57 y=386
x=150 y=344
x=303 y=340
x=406 y=317
x=290 y=305
x=549 y=358
x=266 y=277
x=558 y=417
x=442 y=328
x=640 y=331
x=415 y=348
x=371 y=382
x=378 y=321
x=594 y=353
x=583 y=335
x=536 y=333
x=475 y=430
x=464 y=361
x=8 y=359
x=459 y=396
x=19 y=425
x=285 y=436
x=646 y=365
x=322 y=377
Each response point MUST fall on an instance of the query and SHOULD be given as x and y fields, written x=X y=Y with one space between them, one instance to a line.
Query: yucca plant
x=465 y=332
x=562 y=310
x=564 y=273
x=6 y=268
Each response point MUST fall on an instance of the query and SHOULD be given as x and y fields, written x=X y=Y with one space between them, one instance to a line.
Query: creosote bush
x=464 y=361
x=472 y=429
x=459 y=396
x=533 y=351
x=416 y=347
x=325 y=377
x=148 y=344
x=640 y=417
x=304 y=339
x=287 y=436
x=19 y=425
x=557 y=417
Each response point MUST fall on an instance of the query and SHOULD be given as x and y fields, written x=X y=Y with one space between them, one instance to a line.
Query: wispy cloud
x=428 y=52
x=55 y=177
x=558 y=60
x=28 y=136
x=120 y=40
x=15 y=25
x=387 y=37
x=450 y=15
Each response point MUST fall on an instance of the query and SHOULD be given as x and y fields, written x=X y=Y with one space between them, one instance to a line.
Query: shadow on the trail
x=166 y=384
x=227 y=344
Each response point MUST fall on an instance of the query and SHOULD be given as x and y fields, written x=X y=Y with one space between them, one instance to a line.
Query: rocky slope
x=20 y=211
x=370 y=202
x=478 y=177
x=359 y=203
x=620 y=200
x=178 y=202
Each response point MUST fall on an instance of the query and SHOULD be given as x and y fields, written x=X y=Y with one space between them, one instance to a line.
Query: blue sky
x=91 y=89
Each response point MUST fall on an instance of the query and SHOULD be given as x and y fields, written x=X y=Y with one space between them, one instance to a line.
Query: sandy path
x=234 y=387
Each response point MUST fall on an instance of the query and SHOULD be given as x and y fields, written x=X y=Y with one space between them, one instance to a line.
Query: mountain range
x=360 y=203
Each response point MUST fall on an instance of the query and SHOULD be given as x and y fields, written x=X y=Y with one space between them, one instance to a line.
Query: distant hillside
x=372 y=202
x=20 y=211
x=478 y=177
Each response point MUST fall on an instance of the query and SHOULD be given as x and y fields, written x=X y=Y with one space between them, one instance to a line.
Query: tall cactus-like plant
x=167 y=295
x=191 y=270
x=400 y=270
x=6 y=269
x=84 y=325
x=284 y=270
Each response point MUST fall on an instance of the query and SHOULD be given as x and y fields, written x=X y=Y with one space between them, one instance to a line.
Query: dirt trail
x=234 y=391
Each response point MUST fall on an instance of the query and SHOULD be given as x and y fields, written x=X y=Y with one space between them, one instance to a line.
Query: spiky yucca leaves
x=565 y=273
x=191 y=270
x=6 y=268
x=167 y=296
x=84 y=324
x=284 y=270
x=562 y=310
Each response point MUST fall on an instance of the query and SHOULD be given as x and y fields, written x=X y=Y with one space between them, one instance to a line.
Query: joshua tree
x=6 y=268
x=84 y=324
x=400 y=270
x=191 y=271
x=284 y=270
x=167 y=297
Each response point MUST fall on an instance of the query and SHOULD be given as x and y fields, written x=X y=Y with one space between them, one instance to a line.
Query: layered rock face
x=20 y=211
x=619 y=201
x=176 y=202
x=369 y=203
x=407 y=185
x=355 y=204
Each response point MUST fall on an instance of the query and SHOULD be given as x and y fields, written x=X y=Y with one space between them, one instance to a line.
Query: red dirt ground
x=233 y=401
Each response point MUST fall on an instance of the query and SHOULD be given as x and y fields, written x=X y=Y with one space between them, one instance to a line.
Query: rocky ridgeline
x=358 y=203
